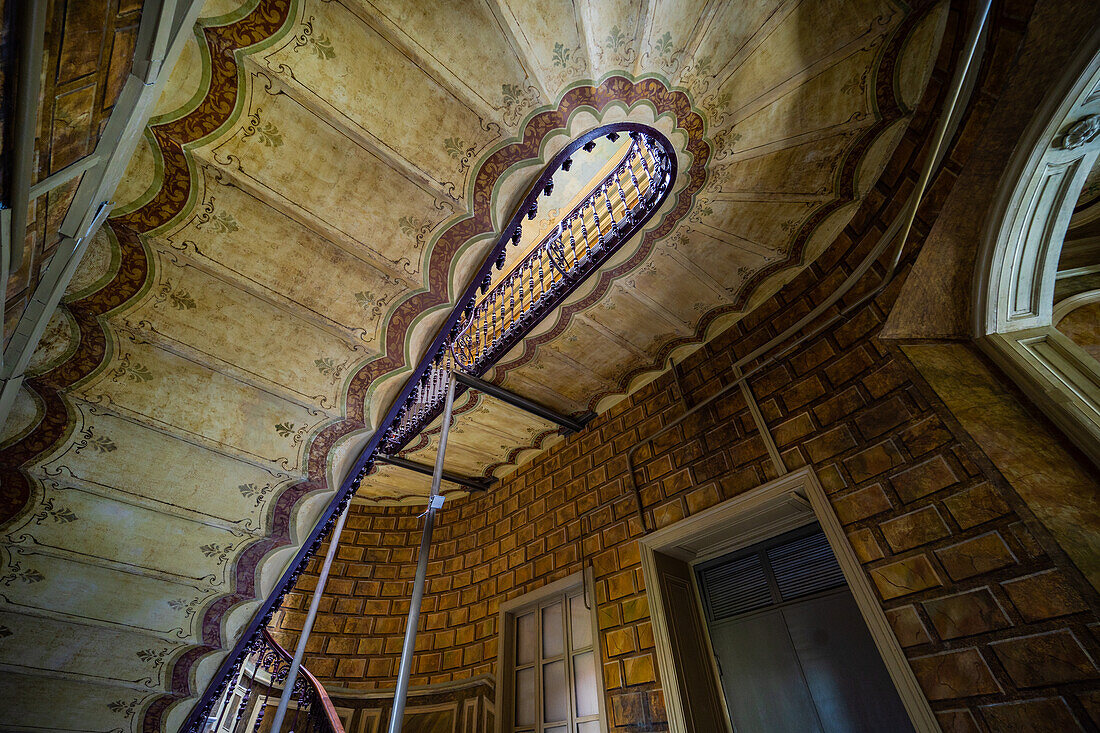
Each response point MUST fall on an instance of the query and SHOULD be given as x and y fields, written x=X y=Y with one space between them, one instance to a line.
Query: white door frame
x=791 y=501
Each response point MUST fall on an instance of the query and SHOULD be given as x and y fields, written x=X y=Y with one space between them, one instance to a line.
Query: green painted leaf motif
x=224 y=222
x=410 y=225
x=137 y=372
x=250 y=491
x=326 y=366
x=616 y=38
x=512 y=94
x=726 y=139
x=64 y=515
x=455 y=147
x=101 y=444
x=26 y=576
x=561 y=55
x=664 y=45
x=269 y=135
x=153 y=655
x=215 y=551
x=122 y=707
x=366 y=300
x=322 y=46
x=181 y=300
x=285 y=429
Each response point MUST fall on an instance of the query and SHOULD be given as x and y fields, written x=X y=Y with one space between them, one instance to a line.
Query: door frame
x=790 y=501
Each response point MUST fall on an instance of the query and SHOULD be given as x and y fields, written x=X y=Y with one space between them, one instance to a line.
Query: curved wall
x=994 y=618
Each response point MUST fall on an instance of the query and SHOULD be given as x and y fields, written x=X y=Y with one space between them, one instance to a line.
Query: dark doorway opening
x=794 y=653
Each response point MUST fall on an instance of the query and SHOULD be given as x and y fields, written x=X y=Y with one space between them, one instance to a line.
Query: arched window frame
x=1018 y=263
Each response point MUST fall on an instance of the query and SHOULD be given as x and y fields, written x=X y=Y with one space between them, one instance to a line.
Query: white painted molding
x=1034 y=202
x=789 y=502
x=1058 y=375
x=1017 y=266
x=1066 y=306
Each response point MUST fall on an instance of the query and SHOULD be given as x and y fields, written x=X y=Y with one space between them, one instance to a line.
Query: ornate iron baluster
x=630 y=167
x=573 y=243
x=599 y=229
x=645 y=164
x=584 y=233
x=622 y=194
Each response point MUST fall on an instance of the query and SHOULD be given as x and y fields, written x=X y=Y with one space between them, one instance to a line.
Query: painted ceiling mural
x=319 y=182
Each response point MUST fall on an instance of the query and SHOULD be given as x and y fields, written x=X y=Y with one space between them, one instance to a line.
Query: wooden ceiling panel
x=330 y=182
x=465 y=44
x=550 y=37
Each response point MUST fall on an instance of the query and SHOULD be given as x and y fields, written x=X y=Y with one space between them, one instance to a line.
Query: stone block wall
x=999 y=627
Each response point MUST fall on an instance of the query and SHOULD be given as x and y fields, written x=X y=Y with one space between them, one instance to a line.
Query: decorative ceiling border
x=890 y=109
x=264 y=23
x=452 y=239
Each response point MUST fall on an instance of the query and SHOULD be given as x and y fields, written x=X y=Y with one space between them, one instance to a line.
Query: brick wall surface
x=1000 y=630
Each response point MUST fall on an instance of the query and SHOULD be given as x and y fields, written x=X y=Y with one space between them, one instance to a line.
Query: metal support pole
x=299 y=652
x=32 y=29
x=397 y=715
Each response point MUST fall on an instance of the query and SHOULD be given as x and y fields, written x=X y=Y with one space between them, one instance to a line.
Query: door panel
x=694 y=674
x=761 y=676
x=795 y=651
x=846 y=677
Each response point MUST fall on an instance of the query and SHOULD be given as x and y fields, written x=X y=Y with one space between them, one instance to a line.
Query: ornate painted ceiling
x=320 y=181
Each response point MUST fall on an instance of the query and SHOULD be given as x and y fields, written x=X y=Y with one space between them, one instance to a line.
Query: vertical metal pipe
x=299 y=652
x=32 y=28
x=401 y=693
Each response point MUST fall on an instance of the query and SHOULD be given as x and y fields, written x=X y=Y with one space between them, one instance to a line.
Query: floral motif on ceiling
x=153 y=267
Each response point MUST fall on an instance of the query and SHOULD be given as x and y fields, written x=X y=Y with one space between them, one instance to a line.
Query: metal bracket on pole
x=397 y=716
x=474 y=484
x=572 y=425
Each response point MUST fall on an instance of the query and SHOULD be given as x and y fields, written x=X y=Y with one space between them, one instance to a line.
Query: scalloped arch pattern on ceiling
x=294 y=229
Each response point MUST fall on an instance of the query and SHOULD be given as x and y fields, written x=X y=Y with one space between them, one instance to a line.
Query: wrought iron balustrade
x=254 y=690
x=477 y=333
x=583 y=239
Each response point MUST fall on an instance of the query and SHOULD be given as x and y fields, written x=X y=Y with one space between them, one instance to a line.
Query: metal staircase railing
x=583 y=239
x=591 y=233
x=257 y=685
